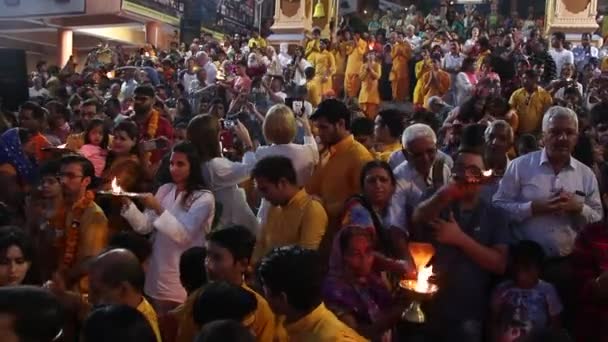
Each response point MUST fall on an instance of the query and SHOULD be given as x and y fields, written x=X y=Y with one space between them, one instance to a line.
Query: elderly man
x=203 y=60
x=422 y=170
x=552 y=196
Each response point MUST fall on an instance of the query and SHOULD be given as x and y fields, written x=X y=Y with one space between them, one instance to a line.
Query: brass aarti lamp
x=419 y=289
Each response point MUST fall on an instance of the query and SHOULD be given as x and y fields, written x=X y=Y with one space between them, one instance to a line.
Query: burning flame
x=422 y=281
x=487 y=173
x=115 y=187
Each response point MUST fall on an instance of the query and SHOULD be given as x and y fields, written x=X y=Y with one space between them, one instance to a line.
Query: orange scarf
x=71 y=235
x=151 y=130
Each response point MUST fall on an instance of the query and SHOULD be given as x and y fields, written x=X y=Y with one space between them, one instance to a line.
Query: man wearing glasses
x=85 y=231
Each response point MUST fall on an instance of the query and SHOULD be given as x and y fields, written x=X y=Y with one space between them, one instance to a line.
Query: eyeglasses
x=467 y=171
x=68 y=175
x=430 y=152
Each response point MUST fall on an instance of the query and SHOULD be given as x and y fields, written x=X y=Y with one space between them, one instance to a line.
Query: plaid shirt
x=590 y=259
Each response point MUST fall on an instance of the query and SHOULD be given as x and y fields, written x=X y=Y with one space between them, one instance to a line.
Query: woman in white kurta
x=223 y=176
x=179 y=216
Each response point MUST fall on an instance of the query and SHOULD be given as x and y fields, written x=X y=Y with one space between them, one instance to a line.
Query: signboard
x=166 y=11
x=40 y=8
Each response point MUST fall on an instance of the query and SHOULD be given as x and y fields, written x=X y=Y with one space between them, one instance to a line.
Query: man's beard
x=141 y=109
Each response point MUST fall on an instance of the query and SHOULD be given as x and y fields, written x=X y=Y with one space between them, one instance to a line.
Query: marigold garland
x=151 y=131
x=72 y=233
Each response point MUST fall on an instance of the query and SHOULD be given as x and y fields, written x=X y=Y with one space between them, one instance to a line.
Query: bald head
x=116 y=267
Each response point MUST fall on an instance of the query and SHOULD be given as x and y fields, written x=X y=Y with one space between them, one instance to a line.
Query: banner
x=166 y=11
x=40 y=8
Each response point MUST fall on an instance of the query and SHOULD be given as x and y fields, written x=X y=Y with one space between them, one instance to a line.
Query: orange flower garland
x=72 y=233
x=151 y=131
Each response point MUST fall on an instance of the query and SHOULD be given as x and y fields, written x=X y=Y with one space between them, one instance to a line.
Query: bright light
x=422 y=281
x=364 y=11
x=115 y=187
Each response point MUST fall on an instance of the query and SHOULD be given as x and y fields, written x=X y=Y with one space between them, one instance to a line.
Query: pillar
x=153 y=33
x=65 y=45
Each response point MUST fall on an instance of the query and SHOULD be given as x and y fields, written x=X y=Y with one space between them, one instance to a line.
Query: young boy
x=525 y=302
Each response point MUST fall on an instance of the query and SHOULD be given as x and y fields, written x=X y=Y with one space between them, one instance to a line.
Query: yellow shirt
x=321 y=325
x=312 y=46
x=264 y=324
x=259 y=42
x=401 y=55
x=355 y=56
x=148 y=311
x=301 y=222
x=369 y=92
x=430 y=89
x=313 y=90
x=421 y=68
x=337 y=177
x=530 y=108
x=385 y=151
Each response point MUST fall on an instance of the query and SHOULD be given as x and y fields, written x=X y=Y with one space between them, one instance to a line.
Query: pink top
x=96 y=155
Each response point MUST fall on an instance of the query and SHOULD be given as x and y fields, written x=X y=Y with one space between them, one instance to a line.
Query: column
x=65 y=45
x=152 y=33
x=570 y=16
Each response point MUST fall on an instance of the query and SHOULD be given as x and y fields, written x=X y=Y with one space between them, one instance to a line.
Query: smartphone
x=155 y=144
x=297 y=107
x=228 y=124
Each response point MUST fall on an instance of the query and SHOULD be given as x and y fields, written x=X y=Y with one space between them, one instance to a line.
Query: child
x=95 y=147
x=526 y=302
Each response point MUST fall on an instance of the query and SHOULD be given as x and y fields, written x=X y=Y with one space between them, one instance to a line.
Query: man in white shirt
x=37 y=90
x=559 y=54
x=411 y=38
x=584 y=52
x=299 y=77
x=421 y=171
x=204 y=62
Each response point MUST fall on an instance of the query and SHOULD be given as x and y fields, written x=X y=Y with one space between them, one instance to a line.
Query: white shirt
x=177 y=229
x=559 y=94
x=299 y=77
x=561 y=57
x=451 y=62
x=211 y=71
x=187 y=80
x=42 y=92
x=463 y=88
x=531 y=177
x=408 y=192
x=414 y=41
x=223 y=178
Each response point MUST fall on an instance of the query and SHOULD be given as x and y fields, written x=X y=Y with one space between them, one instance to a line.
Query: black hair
x=37 y=315
x=15 y=236
x=583 y=151
x=472 y=139
x=186 y=111
x=94 y=123
x=117 y=323
x=349 y=232
x=226 y=330
x=87 y=167
x=296 y=272
x=50 y=168
x=531 y=73
x=334 y=111
x=559 y=35
x=25 y=135
x=527 y=253
x=362 y=126
x=92 y=102
x=376 y=164
x=222 y=300
x=129 y=127
x=238 y=240
x=467 y=63
x=192 y=273
x=38 y=113
x=309 y=72
x=275 y=168
x=394 y=120
x=195 y=178
x=112 y=102
x=121 y=270
x=134 y=243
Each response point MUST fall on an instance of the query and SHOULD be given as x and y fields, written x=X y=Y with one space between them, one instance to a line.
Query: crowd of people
x=229 y=192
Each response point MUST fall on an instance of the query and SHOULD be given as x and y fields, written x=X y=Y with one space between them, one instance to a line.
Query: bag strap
x=437 y=174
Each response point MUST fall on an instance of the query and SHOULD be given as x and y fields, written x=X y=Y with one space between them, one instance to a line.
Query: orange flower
x=72 y=233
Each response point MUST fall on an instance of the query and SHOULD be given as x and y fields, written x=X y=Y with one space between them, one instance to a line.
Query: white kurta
x=177 y=229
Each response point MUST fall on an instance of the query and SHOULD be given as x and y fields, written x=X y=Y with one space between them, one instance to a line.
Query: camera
x=228 y=124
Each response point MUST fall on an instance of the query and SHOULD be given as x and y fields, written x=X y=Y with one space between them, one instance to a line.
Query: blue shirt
x=531 y=177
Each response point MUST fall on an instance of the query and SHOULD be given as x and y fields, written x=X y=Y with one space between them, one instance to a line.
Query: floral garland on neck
x=151 y=130
x=72 y=233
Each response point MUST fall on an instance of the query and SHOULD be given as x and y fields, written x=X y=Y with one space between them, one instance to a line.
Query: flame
x=487 y=173
x=115 y=187
x=422 y=281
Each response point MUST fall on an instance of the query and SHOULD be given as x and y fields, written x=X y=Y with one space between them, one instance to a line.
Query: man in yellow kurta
x=435 y=82
x=421 y=68
x=339 y=52
x=530 y=102
x=313 y=45
x=337 y=177
x=388 y=126
x=324 y=63
x=369 y=97
x=294 y=217
x=256 y=41
x=400 y=76
x=355 y=51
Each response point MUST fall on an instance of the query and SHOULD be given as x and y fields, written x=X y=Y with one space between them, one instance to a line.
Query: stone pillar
x=570 y=16
x=153 y=33
x=65 y=45
x=294 y=17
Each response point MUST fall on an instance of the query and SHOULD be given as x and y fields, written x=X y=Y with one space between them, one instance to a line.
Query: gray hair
x=417 y=131
x=558 y=111
x=435 y=100
x=499 y=123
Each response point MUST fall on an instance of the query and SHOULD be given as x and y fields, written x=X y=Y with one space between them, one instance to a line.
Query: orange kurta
x=400 y=76
x=324 y=63
x=438 y=87
x=355 y=53
x=422 y=67
x=340 y=57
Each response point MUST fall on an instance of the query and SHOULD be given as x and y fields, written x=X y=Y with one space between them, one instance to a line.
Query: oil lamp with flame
x=419 y=289
x=116 y=190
